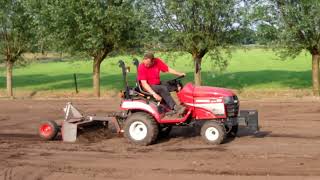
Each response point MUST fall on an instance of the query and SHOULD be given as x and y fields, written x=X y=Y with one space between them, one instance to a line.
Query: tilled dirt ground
x=287 y=146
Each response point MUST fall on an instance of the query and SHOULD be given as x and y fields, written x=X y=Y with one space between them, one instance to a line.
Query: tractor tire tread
x=55 y=127
x=216 y=125
x=150 y=122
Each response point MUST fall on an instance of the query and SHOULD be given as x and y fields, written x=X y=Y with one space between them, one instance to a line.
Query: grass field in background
x=253 y=69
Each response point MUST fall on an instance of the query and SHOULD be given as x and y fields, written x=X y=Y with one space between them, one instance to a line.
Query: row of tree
x=199 y=27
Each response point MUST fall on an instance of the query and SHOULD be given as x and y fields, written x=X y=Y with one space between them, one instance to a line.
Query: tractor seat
x=139 y=89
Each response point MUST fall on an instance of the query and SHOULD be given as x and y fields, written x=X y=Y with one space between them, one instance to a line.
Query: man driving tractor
x=149 y=77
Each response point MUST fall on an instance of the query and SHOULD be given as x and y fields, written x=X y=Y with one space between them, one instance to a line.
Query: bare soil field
x=287 y=146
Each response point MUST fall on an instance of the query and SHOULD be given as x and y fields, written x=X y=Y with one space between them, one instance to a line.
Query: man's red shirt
x=152 y=74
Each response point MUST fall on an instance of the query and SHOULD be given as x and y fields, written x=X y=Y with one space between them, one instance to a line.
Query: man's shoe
x=176 y=112
x=179 y=109
x=171 y=113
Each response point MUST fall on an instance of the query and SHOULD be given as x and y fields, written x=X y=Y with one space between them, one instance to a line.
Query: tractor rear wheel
x=48 y=130
x=141 y=128
x=213 y=132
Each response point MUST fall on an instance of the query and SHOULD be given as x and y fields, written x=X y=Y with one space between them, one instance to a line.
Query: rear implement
x=74 y=120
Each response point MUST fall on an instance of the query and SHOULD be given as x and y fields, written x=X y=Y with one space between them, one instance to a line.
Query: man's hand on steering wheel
x=157 y=97
x=172 y=71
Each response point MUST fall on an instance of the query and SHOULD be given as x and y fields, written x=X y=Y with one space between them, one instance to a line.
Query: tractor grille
x=232 y=107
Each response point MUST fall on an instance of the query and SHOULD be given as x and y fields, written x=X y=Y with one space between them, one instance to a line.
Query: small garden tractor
x=142 y=119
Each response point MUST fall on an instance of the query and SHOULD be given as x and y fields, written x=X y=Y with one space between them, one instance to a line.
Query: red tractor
x=218 y=108
x=144 y=119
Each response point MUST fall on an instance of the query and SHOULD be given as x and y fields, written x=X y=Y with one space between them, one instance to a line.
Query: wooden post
x=75 y=82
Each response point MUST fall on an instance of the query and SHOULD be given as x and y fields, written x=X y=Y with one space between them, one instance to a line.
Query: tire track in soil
x=59 y=148
x=8 y=174
x=66 y=169
x=107 y=172
x=293 y=136
x=16 y=136
x=179 y=149
x=6 y=118
x=232 y=172
x=24 y=172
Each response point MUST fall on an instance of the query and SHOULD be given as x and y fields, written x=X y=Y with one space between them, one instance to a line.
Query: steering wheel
x=178 y=78
x=176 y=81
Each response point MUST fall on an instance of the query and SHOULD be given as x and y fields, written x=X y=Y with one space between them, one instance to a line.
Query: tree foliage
x=16 y=34
x=292 y=26
x=96 y=27
x=16 y=30
x=92 y=26
x=199 y=27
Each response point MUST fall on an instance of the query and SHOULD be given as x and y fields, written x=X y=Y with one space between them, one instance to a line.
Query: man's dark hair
x=148 y=55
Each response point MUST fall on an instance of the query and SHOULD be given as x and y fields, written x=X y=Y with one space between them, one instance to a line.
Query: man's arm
x=172 y=71
x=165 y=68
x=147 y=87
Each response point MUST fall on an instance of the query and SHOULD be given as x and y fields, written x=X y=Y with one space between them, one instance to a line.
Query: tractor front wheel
x=213 y=132
x=141 y=128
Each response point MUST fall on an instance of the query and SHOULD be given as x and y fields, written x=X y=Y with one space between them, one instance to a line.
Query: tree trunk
x=96 y=77
x=197 y=70
x=9 y=78
x=315 y=74
x=42 y=47
x=98 y=57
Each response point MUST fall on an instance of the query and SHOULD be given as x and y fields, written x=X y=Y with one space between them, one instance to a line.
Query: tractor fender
x=141 y=106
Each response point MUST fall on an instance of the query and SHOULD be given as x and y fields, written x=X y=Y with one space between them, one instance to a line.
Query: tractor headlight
x=228 y=100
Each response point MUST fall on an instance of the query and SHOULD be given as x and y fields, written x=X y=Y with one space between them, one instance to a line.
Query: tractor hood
x=207 y=91
x=190 y=92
